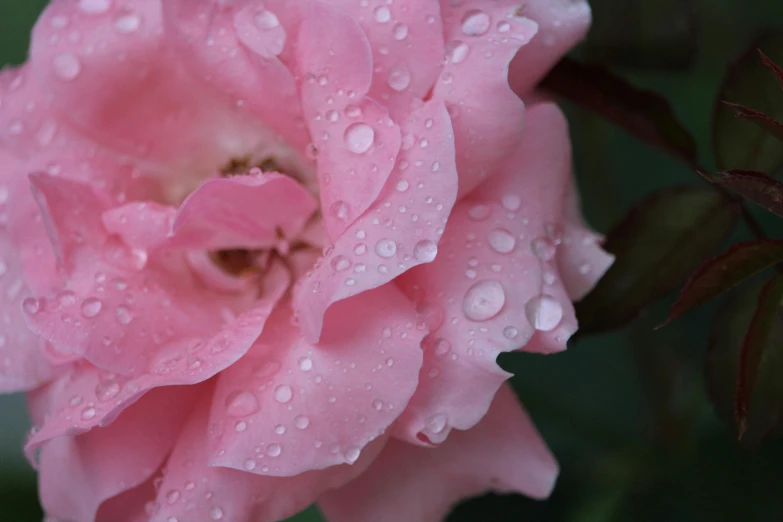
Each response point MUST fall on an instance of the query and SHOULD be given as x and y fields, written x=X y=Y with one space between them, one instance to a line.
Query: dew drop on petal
x=94 y=6
x=127 y=23
x=266 y=20
x=382 y=14
x=107 y=390
x=399 y=77
x=484 y=300
x=241 y=404
x=283 y=393
x=67 y=66
x=501 y=241
x=543 y=248
x=359 y=137
x=352 y=454
x=301 y=422
x=475 y=23
x=543 y=312
x=385 y=248
x=123 y=315
x=274 y=450
x=91 y=307
x=305 y=364
x=216 y=513
x=425 y=251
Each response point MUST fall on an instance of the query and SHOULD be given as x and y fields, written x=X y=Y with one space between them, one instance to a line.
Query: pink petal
x=242 y=212
x=122 y=54
x=129 y=506
x=193 y=490
x=78 y=473
x=400 y=231
x=88 y=397
x=493 y=284
x=356 y=141
x=141 y=225
x=580 y=259
x=406 y=38
x=481 y=40
x=561 y=25
x=234 y=45
x=504 y=453
x=289 y=406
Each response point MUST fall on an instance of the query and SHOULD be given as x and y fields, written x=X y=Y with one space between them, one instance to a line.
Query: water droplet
x=94 y=6
x=283 y=393
x=301 y=422
x=402 y=185
x=31 y=305
x=352 y=454
x=479 y=212
x=425 y=251
x=240 y=426
x=75 y=400
x=266 y=20
x=340 y=210
x=172 y=496
x=91 y=307
x=340 y=263
x=509 y=332
x=359 y=137
x=67 y=66
x=457 y=52
x=280 y=429
x=127 y=23
x=511 y=202
x=544 y=312
x=107 y=390
x=543 y=248
x=382 y=14
x=241 y=404
x=442 y=347
x=66 y=298
x=377 y=404
x=484 y=300
x=584 y=268
x=249 y=464
x=504 y=27
x=400 y=31
x=305 y=364
x=554 y=232
x=399 y=77
x=502 y=241
x=385 y=248
x=216 y=513
x=437 y=423
x=88 y=413
x=123 y=315
x=475 y=23
x=274 y=450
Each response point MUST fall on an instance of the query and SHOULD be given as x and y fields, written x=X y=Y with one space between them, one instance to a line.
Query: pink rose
x=263 y=253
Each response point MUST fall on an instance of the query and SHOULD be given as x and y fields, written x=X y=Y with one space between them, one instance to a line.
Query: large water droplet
x=382 y=14
x=305 y=364
x=502 y=241
x=31 y=305
x=544 y=312
x=266 y=20
x=91 y=307
x=88 y=413
x=484 y=300
x=301 y=422
x=399 y=77
x=475 y=23
x=425 y=251
x=67 y=66
x=400 y=31
x=216 y=513
x=340 y=263
x=241 y=404
x=107 y=390
x=352 y=454
x=127 y=23
x=359 y=137
x=385 y=248
x=283 y=393
x=94 y=6
x=274 y=450
x=457 y=52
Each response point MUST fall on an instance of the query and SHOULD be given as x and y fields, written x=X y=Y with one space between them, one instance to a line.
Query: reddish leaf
x=742 y=144
x=776 y=69
x=724 y=272
x=753 y=346
x=660 y=242
x=770 y=125
x=646 y=115
x=757 y=187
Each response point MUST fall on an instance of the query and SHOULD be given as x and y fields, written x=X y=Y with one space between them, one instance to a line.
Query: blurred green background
x=626 y=413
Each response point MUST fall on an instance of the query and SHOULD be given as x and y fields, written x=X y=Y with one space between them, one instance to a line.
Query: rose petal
x=504 y=453
x=242 y=212
x=141 y=225
x=493 y=284
x=400 y=231
x=356 y=141
x=290 y=406
x=561 y=25
x=481 y=40
x=78 y=473
x=130 y=505
x=192 y=488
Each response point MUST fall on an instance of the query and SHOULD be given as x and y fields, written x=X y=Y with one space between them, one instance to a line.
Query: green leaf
x=646 y=115
x=774 y=127
x=640 y=34
x=745 y=361
x=657 y=245
x=739 y=143
x=757 y=187
x=724 y=272
x=753 y=346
